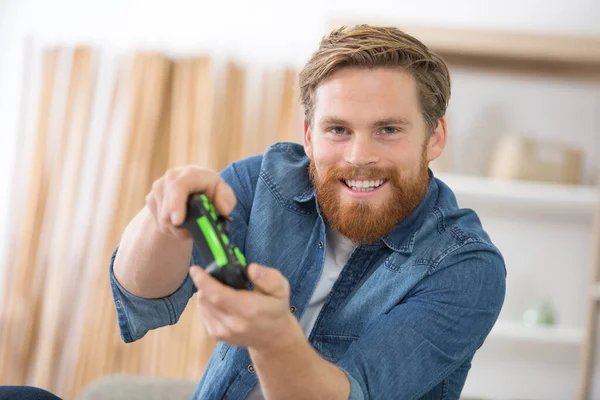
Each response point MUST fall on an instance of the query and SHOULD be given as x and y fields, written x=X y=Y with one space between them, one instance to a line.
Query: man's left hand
x=258 y=319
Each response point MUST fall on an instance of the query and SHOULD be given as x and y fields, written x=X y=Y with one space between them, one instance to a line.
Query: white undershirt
x=338 y=249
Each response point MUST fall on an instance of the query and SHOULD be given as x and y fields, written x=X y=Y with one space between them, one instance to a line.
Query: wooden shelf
x=509 y=45
x=542 y=335
x=579 y=55
x=537 y=197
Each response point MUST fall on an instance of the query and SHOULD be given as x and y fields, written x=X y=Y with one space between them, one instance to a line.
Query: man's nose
x=362 y=150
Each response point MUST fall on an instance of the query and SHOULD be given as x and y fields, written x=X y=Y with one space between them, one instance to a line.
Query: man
x=369 y=281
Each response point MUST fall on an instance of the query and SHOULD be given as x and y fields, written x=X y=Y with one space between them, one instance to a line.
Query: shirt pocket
x=333 y=347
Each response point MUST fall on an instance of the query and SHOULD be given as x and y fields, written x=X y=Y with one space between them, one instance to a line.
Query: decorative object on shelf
x=518 y=157
x=540 y=314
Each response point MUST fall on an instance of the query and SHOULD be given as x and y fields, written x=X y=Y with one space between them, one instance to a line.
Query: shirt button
x=320 y=245
x=293 y=309
x=251 y=368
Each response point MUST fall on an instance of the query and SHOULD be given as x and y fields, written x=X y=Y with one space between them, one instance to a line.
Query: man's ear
x=437 y=141
x=307 y=140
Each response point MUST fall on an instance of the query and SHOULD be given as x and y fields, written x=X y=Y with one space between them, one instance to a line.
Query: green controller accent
x=213 y=241
x=210 y=231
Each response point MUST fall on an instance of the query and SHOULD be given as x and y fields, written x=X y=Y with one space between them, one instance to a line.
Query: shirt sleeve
x=433 y=331
x=135 y=315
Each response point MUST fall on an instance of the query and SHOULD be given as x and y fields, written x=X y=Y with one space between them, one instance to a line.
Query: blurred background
x=97 y=99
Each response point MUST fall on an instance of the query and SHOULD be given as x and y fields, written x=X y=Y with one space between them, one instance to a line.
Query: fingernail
x=258 y=272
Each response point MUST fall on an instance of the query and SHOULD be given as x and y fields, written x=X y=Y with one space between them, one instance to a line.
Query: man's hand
x=287 y=365
x=258 y=319
x=167 y=200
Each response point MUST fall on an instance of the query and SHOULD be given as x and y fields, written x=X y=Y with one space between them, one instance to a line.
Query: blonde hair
x=365 y=46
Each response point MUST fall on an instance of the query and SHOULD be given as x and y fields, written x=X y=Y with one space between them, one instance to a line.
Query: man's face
x=369 y=150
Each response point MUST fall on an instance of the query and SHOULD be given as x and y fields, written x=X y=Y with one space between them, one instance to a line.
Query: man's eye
x=338 y=130
x=388 y=130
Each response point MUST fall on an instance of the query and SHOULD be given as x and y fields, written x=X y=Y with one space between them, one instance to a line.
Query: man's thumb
x=268 y=280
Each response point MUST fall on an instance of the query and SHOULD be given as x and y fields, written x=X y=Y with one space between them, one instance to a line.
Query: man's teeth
x=364 y=185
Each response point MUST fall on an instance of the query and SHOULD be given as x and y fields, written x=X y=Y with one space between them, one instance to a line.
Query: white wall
x=276 y=32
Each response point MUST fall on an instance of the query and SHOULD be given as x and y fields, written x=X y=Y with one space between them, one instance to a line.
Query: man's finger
x=224 y=198
x=268 y=280
x=210 y=318
x=220 y=295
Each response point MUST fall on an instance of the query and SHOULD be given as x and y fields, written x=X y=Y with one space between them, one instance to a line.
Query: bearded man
x=368 y=280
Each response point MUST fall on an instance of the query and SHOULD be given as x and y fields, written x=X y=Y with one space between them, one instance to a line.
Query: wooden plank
x=226 y=143
x=290 y=118
x=88 y=236
x=32 y=75
x=270 y=108
x=15 y=345
x=251 y=133
x=112 y=147
x=55 y=309
x=180 y=110
x=581 y=51
x=203 y=99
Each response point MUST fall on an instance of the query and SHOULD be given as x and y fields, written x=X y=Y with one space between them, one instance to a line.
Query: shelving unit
x=568 y=200
x=539 y=334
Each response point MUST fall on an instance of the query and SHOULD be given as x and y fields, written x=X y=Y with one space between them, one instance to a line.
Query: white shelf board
x=550 y=335
x=559 y=199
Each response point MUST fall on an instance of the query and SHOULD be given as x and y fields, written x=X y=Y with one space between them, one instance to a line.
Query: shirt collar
x=402 y=238
x=306 y=195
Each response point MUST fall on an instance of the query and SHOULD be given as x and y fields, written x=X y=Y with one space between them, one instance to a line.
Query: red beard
x=360 y=221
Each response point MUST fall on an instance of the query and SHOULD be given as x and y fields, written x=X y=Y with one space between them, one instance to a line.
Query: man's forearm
x=296 y=371
x=148 y=263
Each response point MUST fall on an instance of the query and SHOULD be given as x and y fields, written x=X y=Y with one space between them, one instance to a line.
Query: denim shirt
x=404 y=317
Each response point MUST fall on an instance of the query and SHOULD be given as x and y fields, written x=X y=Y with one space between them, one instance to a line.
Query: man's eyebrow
x=333 y=120
x=391 y=121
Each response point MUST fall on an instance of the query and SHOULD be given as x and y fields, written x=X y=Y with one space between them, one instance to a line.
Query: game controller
x=210 y=232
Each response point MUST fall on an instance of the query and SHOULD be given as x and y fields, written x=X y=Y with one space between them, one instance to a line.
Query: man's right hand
x=168 y=198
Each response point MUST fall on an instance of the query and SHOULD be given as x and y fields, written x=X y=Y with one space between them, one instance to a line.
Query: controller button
x=224 y=238
x=240 y=256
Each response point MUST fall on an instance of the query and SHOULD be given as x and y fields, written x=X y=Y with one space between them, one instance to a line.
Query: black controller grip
x=210 y=232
